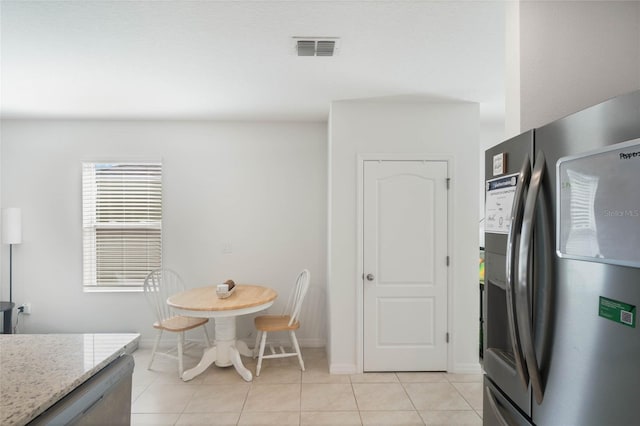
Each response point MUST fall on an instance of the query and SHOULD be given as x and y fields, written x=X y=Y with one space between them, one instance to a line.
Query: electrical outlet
x=25 y=308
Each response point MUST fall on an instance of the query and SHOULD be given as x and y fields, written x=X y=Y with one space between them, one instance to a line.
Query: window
x=122 y=224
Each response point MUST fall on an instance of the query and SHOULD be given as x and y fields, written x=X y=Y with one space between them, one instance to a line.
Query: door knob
x=370 y=277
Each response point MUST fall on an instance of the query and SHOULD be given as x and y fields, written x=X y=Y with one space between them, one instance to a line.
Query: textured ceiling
x=235 y=60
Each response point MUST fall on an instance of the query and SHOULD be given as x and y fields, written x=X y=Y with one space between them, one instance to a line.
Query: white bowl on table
x=222 y=291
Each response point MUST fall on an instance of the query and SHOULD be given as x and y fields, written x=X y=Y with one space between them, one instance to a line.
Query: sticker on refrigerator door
x=617 y=311
x=499 y=164
x=499 y=197
x=598 y=205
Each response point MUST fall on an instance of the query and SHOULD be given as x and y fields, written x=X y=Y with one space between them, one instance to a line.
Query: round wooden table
x=203 y=302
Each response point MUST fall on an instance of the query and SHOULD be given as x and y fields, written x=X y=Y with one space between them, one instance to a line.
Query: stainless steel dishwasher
x=104 y=399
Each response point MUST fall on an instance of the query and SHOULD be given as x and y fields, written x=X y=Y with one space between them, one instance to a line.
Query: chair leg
x=206 y=335
x=155 y=348
x=180 y=345
x=263 y=342
x=297 y=348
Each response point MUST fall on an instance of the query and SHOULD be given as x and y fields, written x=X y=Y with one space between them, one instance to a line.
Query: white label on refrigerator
x=499 y=164
x=498 y=202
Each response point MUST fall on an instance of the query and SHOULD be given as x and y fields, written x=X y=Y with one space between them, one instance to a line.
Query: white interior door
x=405 y=266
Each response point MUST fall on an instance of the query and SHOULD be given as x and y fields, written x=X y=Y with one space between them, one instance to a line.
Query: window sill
x=112 y=289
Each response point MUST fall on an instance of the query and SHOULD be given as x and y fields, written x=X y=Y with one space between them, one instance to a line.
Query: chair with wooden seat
x=158 y=286
x=287 y=321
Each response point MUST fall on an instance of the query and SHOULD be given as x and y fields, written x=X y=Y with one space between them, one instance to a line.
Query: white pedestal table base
x=225 y=352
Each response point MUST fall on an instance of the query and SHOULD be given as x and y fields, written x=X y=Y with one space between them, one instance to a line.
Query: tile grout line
x=155 y=379
x=246 y=398
x=411 y=400
x=353 y=391
x=463 y=397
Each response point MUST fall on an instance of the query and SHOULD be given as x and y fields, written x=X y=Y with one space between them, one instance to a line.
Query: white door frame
x=360 y=245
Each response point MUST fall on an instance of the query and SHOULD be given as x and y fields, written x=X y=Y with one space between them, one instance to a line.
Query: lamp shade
x=11 y=225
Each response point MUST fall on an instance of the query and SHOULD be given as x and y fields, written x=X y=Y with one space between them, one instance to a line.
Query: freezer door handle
x=523 y=286
x=517 y=212
x=496 y=409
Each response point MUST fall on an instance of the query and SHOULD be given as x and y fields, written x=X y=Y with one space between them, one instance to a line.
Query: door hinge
x=447 y=337
x=448 y=183
x=447 y=260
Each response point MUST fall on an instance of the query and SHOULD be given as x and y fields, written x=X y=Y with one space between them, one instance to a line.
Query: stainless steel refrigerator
x=562 y=271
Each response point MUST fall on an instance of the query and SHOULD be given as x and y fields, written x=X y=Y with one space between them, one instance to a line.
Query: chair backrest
x=297 y=296
x=158 y=286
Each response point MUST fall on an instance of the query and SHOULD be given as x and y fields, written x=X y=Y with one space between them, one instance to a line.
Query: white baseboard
x=470 y=368
x=312 y=343
x=343 y=369
x=148 y=344
x=304 y=343
x=169 y=342
x=166 y=343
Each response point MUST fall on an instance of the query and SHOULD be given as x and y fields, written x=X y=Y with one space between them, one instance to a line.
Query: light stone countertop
x=37 y=370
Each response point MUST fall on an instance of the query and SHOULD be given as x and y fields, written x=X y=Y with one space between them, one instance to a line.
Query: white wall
x=3 y=295
x=574 y=54
x=512 y=69
x=260 y=187
x=361 y=127
x=490 y=134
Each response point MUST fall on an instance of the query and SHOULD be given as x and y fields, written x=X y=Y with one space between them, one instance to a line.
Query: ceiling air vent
x=316 y=46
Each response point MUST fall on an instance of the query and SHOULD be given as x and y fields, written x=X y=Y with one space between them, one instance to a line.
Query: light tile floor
x=284 y=395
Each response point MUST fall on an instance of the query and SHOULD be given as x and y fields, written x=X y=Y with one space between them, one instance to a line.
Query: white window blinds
x=122 y=224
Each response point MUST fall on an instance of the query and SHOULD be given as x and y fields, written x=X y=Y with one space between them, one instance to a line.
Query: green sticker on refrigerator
x=616 y=311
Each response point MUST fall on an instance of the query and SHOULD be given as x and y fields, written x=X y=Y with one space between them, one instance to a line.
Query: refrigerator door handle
x=496 y=409
x=517 y=211
x=523 y=299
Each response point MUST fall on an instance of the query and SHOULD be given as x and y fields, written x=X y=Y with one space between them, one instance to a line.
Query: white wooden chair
x=287 y=321
x=158 y=286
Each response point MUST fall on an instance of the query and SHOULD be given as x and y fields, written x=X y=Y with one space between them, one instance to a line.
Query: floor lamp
x=11 y=234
